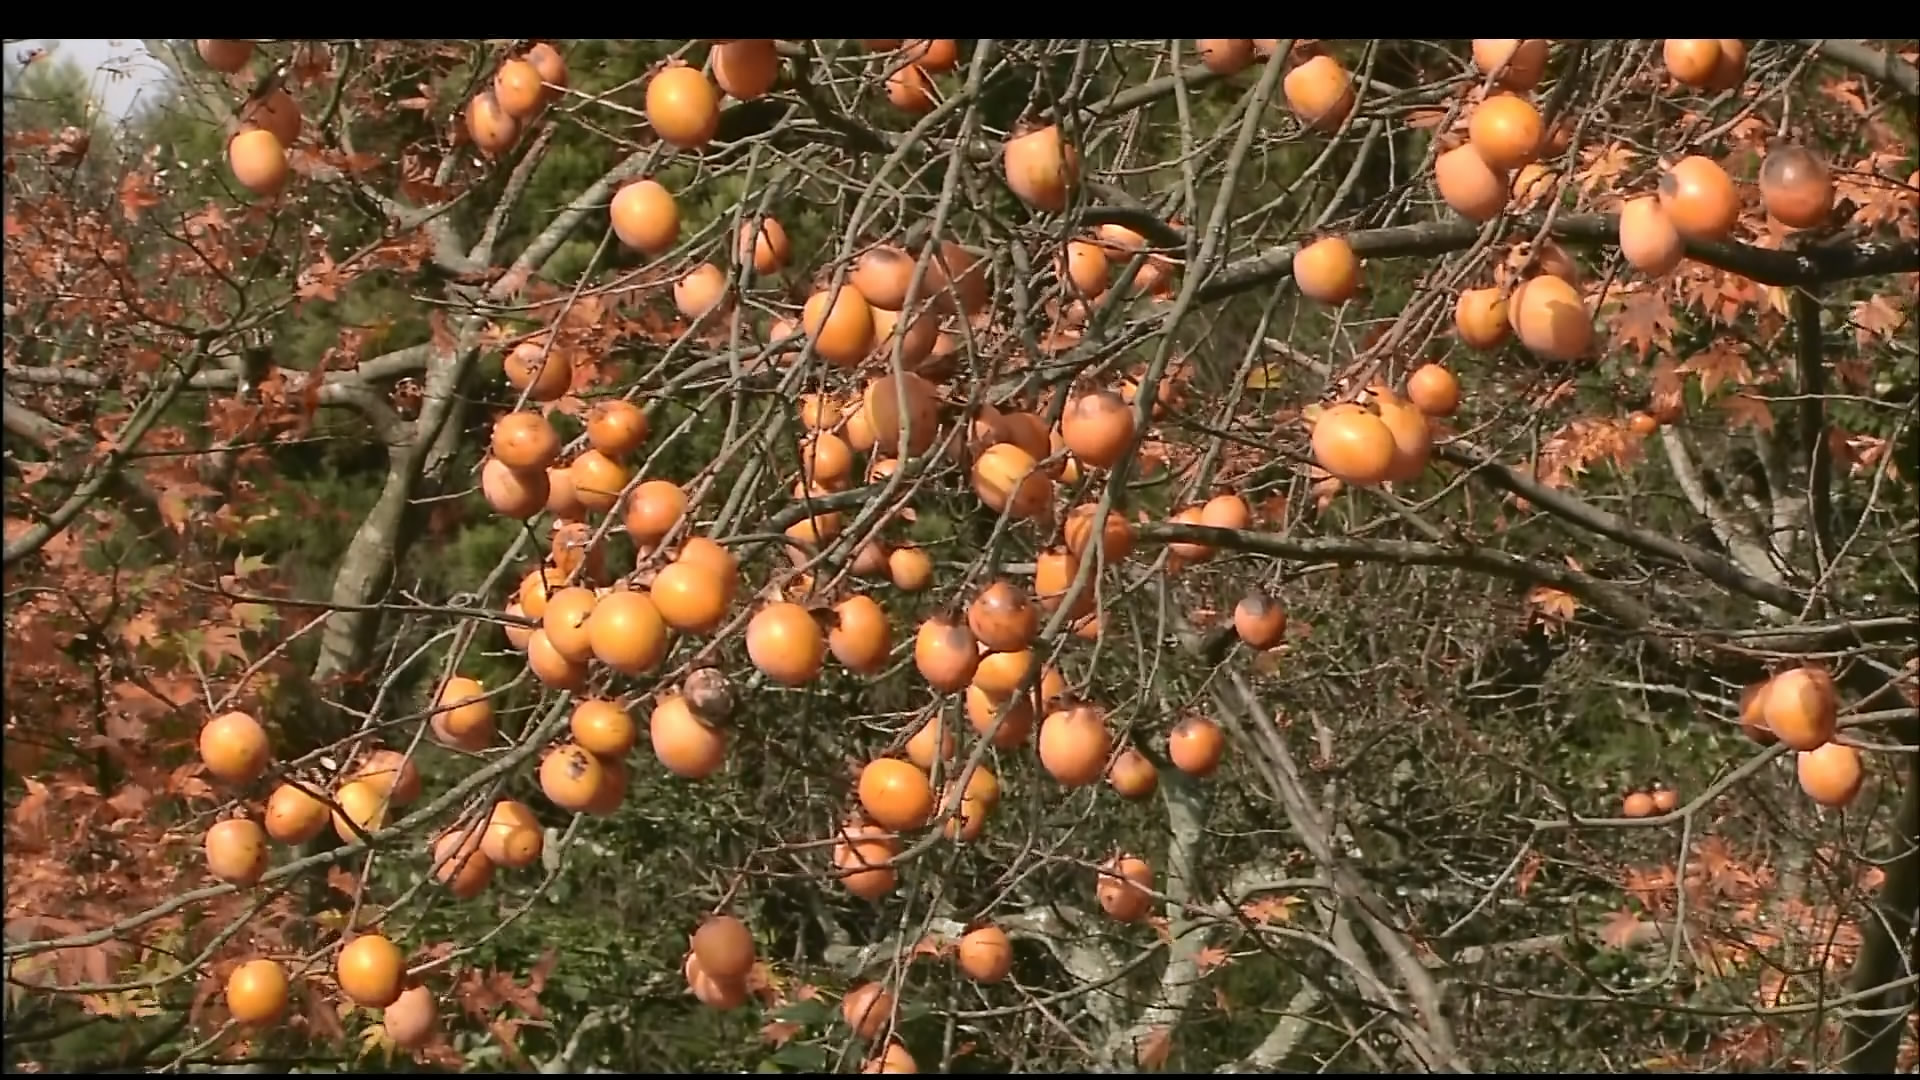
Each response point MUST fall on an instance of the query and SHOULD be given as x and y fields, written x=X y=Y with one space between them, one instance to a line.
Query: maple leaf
x=1602 y=164
x=1622 y=929
x=140 y=629
x=1720 y=362
x=1748 y=410
x=1551 y=605
x=1152 y=1051
x=321 y=281
x=780 y=1032
x=1211 y=958
x=1669 y=394
x=1645 y=320
x=1876 y=318
x=137 y=194
x=1270 y=910
x=219 y=642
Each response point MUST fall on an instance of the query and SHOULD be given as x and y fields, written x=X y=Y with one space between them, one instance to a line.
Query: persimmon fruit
x=369 y=970
x=234 y=748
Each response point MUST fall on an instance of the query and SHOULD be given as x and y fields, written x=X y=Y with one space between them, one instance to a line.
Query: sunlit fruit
x=597 y=480
x=570 y=777
x=1083 y=265
x=1666 y=801
x=626 y=633
x=1182 y=550
x=1327 y=270
x=1831 y=775
x=786 y=643
x=392 y=772
x=491 y=127
x=1123 y=887
x=840 y=325
x=1225 y=56
x=1009 y=480
x=1054 y=572
x=1475 y=190
x=999 y=674
x=1550 y=319
x=654 y=507
x=225 y=55
x=1320 y=93
x=1132 y=776
x=1525 y=60
x=545 y=374
x=985 y=954
x=1074 y=744
x=932 y=741
x=683 y=108
x=914 y=338
x=984 y=711
x=463 y=716
x=513 y=837
x=1730 y=70
x=1700 y=199
x=1801 y=708
x=910 y=90
x=868 y=1010
x=1642 y=424
x=234 y=748
x=1506 y=129
x=236 y=851
x=525 y=441
x=701 y=551
x=565 y=622
x=1434 y=390
x=1480 y=318
x=519 y=89
x=826 y=461
x=616 y=428
x=1796 y=187
x=645 y=217
x=1259 y=621
x=1637 y=804
x=363 y=808
x=294 y=815
x=615 y=778
x=1003 y=618
x=910 y=568
x=894 y=1058
x=514 y=493
x=690 y=596
x=539 y=583
x=699 y=291
x=411 y=1019
x=1114 y=533
x=895 y=794
x=1412 y=436
x=277 y=112
x=860 y=636
x=713 y=991
x=746 y=68
x=1648 y=240
x=1227 y=511
x=1196 y=745
x=562 y=502
x=937 y=55
x=602 y=728
x=552 y=68
x=861 y=856
x=460 y=865
x=763 y=241
x=724 y=946
x=1352 y=444
x=882 y=274
x=684 y=743
x=1753 y=717
x=257 y=992
x=369 y=970
x=1098 y=428
x=962 y=281
x=918 y=422
x=946 y=654
x=258 y=161
x=1041 y=168
x=1691 y=61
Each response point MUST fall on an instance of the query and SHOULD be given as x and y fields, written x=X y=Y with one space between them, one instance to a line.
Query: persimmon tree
x=1232 y=555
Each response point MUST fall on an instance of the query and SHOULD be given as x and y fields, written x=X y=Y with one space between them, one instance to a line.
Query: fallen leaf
x=1211 y=958
x=1152 y=1051
x=1622 y=929
x=780 y=1032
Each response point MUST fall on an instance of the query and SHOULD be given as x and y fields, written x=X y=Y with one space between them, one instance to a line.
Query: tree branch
x=1866 y=60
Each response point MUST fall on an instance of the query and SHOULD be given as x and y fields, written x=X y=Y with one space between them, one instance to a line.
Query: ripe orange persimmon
x=1691 y=61
x=1480 y=318
x=983 y=712
x=1196 y=745
x=1434 y=390
x=276 y=111
x=786 y=643
x=369 y=970
x=1097 y=428
x=868 y=1010
x=460 y=865
x=1225 y=56
x=552 y=68
x=1796 y=187
x=1700 y=199
x=602 y=728
x=691 y=596
x=1637 y=804
x=1320 y=93
x=724 y=947
x=1506 y=130
x=860 y=636
x=938 y=55
x=840 y=325
x=1054 y=572
x=1115 y=534
x=746 y=68
x=910 y=568
x=882 y=274
x=362 y=805
x=1474 y=189
x=614 y=779
x=861 y=856
x=1801 y=708
x=683 y=108
x=1259 y=621
x=931 y=742
x=946 y=654
x=392 y=772
x=411 y=1019
x=763 y=241
x=1074 y=744
x=1327 y=270
x=525 y=440
x=294 y=815
x=645 y=217
x=1831 y=774
x=700 y=291
x=985 y=954
x=1083 y=266
x=225 y=55
x=491 y=127
x=654 y=507
x=513 y=837
x=1648 y=240
x=570 y=777
x=519 y=89
x=895 y=794
x=546 y=374
x=236 y=850
x=1132 y=775
x=1009 y=480
x=514 y=493
x=1122 y=888
x=1412 y=436
x=1353 y=444
x=258 y=161
x=918 y=423
x=711 y=990
x=234 y=748
x=565 y=622
x=626 y=633
x=1525 y=60
x=554 y=669
x=1041 y=167
x=1003 y=618
x=910 y=89
x=598 y=480
x=1550 y=319
x=688 y=746
x=257 y=992
x=616 y=427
